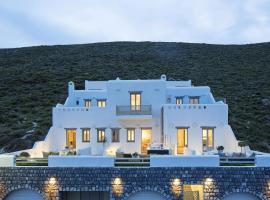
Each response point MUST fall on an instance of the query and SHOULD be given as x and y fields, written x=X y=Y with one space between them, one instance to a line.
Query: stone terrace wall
x=225 y=180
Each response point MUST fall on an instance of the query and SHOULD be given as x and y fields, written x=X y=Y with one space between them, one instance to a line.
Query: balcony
x=134 y=112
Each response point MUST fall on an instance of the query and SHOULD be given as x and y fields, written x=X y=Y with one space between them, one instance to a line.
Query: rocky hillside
x=34 y=79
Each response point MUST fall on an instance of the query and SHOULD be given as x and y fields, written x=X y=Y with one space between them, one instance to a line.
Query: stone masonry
x=224 y=180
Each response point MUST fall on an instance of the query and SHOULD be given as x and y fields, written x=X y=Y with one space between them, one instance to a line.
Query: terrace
x=138 y=161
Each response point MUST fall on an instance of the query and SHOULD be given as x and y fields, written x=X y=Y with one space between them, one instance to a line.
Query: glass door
x=71 y=138
x=208 y=139
x=146 y=139
x=135 y=101
x=182 y=140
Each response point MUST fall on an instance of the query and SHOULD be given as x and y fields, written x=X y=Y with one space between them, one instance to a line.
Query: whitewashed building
x=135 y=116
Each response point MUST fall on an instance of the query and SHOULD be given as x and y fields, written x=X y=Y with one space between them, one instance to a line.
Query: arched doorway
x=24 y=194
x=146 y=196
x=240 y=196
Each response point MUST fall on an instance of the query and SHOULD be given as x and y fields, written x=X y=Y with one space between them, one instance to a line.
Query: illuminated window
x=194 y=100
x=87 y=103
x=100 y=135
x=115 y=135
x=101 y=103
x=193 y=192
x=131 y=135
x=179 y=100
x=85 y=135
x=182 y=139
x=135 y=101
x=208 y=139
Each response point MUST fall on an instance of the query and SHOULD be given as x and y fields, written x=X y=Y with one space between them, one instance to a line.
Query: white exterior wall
x=157 y=93
x=194 y=117
x=184 y=161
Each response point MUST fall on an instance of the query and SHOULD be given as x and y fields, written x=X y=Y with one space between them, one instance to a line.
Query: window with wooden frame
x=87 y=103
x=101 y=135
x=101 y=103
x=131 y=135
x=86 y=135
x=194 y=100
x=115 y=135
x=179 y=100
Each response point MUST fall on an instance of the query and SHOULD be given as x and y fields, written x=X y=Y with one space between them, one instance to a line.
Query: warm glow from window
x=131 y=135
x=87 y=103
x=135 y=101
x=101 y=135
x=182 y=139
x=86 y=135
x=208 y=138
x=101 y=103
x=179 y=100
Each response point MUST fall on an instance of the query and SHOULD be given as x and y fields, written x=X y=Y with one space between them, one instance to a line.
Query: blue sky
x=50 y=22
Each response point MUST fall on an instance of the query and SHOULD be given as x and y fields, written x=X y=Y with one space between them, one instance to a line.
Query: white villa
x=139 y=116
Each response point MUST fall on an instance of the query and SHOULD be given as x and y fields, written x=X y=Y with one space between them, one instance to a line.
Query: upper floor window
x=115 y=135
x=179 y=100
x=194 y=100
x=86 y=135
x=101 y=135
x=101 y=103
x=87 y=103
x=208 y=139
x=131 y=135
x=135 y=100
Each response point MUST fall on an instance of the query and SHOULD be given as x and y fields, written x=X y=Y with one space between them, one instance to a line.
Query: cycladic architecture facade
x=137 y=140
x=133 y=116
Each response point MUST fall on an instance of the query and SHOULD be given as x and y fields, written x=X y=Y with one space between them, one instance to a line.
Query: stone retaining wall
x=223 y=180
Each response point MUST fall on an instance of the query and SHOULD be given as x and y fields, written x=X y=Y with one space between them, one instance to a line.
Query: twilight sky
x=49 y=22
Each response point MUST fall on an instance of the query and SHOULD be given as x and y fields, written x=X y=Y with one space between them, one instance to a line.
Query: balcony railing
x=134 y=110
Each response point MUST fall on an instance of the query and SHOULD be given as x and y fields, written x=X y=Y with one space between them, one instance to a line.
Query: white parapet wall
x=262 y=160
x=7 y=161
x=184 y=161
x=80 y=161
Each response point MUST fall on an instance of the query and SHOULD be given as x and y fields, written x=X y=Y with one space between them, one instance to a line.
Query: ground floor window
x=115 y=135
x=86 y=135
x=193 y=192
x=84 y=195
x=208 y=138
x=131 y=135
x=100 y=135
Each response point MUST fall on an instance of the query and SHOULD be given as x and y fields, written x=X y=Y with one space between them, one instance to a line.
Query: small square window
x=101 y=135
x=87 y=103
x=194 y=100
x=86 y=135
x=115 y=135
x=179 y=100
x=101 y=103
x=131 y=135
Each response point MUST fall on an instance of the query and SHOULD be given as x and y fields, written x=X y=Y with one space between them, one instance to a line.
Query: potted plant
x=220 y=150
x=242 y=144
x=135 y=155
